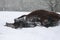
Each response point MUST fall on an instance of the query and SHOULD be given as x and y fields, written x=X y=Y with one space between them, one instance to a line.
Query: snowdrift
x=37 y=33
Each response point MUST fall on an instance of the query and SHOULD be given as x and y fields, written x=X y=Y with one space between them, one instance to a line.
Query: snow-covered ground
x=37 y=33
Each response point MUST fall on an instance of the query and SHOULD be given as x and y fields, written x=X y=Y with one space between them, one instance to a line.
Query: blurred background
x=29 y=5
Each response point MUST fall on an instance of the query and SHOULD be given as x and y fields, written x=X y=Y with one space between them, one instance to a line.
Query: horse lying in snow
x=41 y=17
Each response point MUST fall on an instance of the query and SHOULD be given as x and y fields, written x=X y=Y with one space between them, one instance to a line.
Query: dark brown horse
x=46 y=18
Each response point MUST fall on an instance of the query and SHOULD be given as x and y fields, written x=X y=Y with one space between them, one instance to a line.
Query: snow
x=37 y=33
